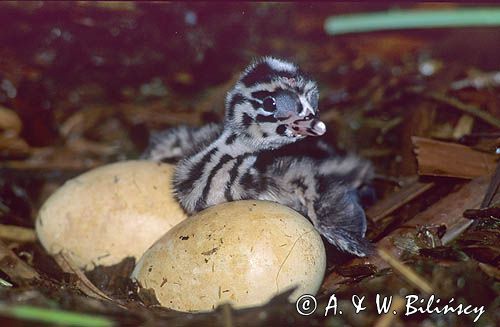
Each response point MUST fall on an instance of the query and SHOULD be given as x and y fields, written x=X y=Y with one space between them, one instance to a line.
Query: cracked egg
x=242 y=252
x=109 y=213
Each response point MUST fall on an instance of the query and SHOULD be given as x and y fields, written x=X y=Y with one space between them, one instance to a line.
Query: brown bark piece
x=438 y=158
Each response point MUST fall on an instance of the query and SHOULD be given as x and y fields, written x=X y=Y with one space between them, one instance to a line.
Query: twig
x=482 y=213
x=490 y=270
x=83 y=284
x=409 y=274
x=491 y=79
x=5 y=283
x=468 y=108
x=17 y=233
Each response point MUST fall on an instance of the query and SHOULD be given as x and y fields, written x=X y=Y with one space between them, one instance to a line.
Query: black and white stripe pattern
x=267 y=77
x=253 y=156
x=213 y=168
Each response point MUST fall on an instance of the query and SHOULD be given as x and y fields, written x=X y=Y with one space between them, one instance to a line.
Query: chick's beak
x=304 y=124
x=308 y=126
x=308 y=123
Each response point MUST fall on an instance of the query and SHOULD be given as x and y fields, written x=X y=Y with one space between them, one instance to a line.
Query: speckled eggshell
x=109 y=213
x=242 y=252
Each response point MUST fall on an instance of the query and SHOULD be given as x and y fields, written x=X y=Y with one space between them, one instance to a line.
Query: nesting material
x=242 y=252
x=436 y=158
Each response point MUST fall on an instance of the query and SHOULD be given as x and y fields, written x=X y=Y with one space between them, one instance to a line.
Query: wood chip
x=436 y=158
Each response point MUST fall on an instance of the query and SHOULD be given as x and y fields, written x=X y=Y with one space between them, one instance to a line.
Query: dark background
x=84 y=83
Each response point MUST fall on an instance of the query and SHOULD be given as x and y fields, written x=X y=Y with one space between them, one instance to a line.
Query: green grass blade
x=54 y=316
x=404 y=19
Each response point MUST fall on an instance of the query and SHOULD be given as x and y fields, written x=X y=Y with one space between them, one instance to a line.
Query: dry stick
x=397 y=199
x=17 y=234
x=17 y=270
x=84 y=284
x=483 y=80
x=470 y=109
x=409 y=274
x=490 y=270
x=447 y=211
x=482 y=213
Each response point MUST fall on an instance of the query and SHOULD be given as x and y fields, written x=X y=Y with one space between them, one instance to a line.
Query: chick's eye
x=269 y=104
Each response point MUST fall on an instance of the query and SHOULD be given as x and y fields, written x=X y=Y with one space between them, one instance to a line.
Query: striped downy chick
x=254 y=155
